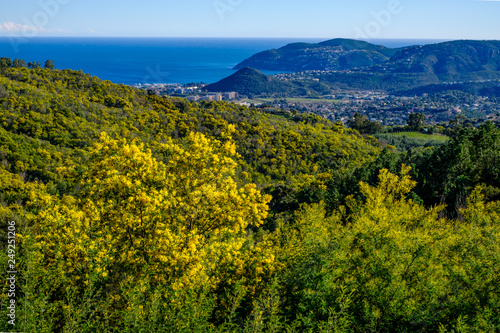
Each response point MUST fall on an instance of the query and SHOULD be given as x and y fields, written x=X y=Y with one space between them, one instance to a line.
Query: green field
x=418 y=135
x=407 y=140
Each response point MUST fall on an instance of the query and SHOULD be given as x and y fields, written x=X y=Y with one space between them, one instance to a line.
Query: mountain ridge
x=335 y=54
x=444 y=59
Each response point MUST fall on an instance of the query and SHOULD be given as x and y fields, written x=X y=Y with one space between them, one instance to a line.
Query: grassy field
x=407 y=140
x=418 y=135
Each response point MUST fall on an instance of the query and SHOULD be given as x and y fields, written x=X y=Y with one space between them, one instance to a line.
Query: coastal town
x=192 y=92
x=389 y=110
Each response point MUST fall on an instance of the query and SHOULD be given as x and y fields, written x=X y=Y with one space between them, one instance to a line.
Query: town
x=387 y=109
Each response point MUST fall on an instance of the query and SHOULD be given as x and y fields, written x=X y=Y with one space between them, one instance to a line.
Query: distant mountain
x=448 y=59
x=362 y=65
x=249 y=81
x=335 y=54
x=444 y=59
x=479 y=88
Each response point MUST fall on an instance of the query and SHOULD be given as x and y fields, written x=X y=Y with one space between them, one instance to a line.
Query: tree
x=5 y=63
x=362 y=124
x=19 y=63
x=456 y=125
x=185 y=219
x=49 y=64
x=416 y=121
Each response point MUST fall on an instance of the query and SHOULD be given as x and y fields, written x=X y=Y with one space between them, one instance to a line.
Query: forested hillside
x=355 y=64
x=140 y=213
x=335 y=54
x=251 y=82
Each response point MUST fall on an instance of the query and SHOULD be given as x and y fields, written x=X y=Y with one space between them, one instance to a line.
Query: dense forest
x=139 y=213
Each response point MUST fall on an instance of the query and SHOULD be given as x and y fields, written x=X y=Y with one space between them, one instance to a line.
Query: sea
x=134 y=61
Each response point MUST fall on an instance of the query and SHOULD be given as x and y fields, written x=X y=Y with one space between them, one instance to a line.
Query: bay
x=153 y=60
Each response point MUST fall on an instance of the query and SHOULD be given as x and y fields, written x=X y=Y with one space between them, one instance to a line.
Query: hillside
x=335 y=54
x=361 y=65
x=249 y=81
x=67 y=111
x=123 y=211
x=489 y=88
x=449 y=59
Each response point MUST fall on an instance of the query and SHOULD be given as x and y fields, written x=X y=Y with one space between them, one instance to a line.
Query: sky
x=361 y=19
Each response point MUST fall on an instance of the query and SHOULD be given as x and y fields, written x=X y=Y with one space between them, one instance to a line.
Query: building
x=230 y=95
x=213 y=97
x=193 y=98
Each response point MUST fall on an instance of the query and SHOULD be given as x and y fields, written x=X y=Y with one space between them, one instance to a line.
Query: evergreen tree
x=416 y=121
x=19 y=63
x=49 y=64
x=5 y=63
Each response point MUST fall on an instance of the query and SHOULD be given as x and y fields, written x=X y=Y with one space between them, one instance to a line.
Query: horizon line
x=255 y=37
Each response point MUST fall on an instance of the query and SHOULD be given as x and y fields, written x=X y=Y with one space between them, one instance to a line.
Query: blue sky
x=424 y=19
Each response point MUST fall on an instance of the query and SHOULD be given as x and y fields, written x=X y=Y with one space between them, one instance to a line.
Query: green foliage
x=19 y=63
x=69 y=109
x=407 y=140
x=395 y=266
x=49 y=64
x=304 y=56
x=416 y=121
x=5 y=63
x=364 y=125
x=445 y=173
x=249 y=81
x=160 y=225
x=450 y=172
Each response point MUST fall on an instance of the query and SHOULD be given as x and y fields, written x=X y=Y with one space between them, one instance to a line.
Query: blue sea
x=153 y=60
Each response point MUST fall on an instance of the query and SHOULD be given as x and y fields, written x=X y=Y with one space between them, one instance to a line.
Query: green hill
x=335 y=54
x=249 y=81
x=450 y=59
x=65 y=112
x=480 y=88
x=362 y=65
x=122 y=211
